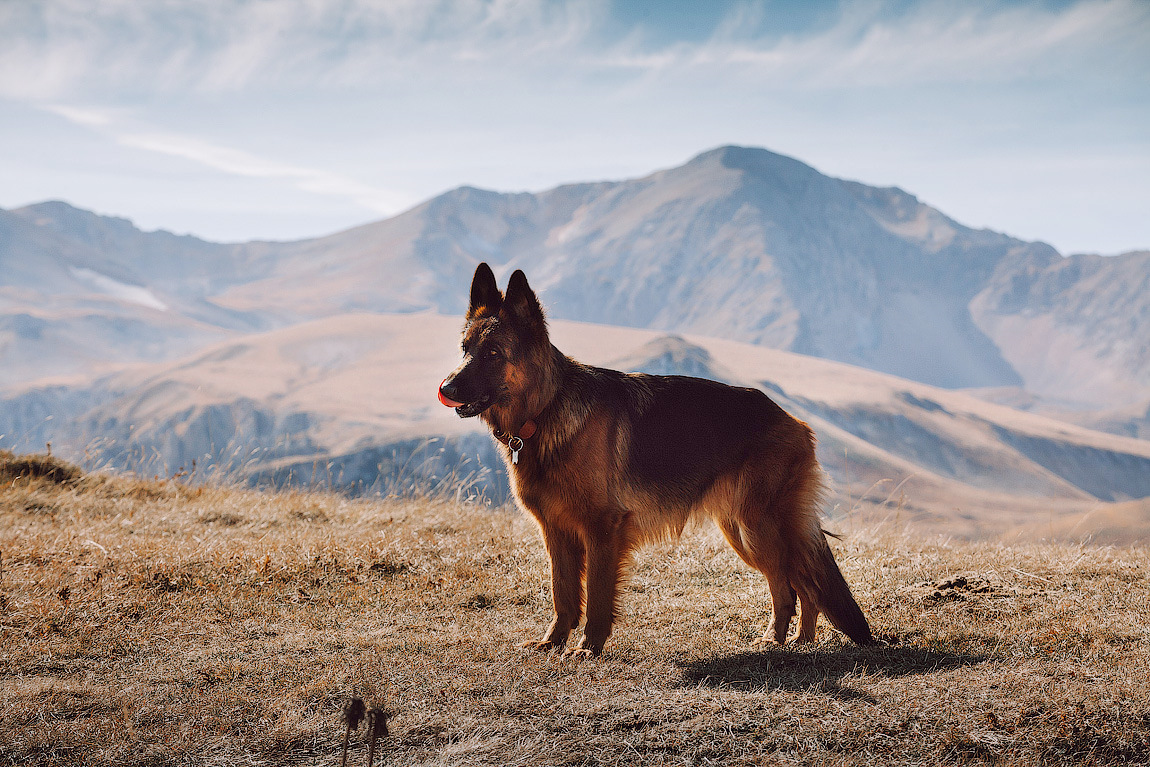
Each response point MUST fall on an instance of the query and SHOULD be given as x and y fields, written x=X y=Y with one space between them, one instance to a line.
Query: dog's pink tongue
x=445 y=400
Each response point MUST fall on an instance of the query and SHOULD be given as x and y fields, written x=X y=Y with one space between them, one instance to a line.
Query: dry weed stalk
x=376 y=727
x=353 y=714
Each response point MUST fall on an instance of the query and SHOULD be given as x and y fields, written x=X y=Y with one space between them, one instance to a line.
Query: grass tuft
x=14 y=468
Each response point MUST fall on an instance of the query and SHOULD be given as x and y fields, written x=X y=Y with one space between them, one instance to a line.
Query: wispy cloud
x=55 y=49
x=232 y=161
x=83 y=116
x=58 y=49
x=932 y=42
x=241 y=163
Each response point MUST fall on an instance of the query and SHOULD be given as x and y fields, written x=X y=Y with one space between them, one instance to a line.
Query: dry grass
x=146 y=622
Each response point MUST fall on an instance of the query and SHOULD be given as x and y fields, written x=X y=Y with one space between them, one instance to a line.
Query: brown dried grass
x=151 y=622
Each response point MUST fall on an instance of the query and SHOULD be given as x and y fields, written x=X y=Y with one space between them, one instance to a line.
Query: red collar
x=526 y=431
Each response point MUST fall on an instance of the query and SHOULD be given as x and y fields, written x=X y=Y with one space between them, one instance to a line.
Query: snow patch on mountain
x=133 y=294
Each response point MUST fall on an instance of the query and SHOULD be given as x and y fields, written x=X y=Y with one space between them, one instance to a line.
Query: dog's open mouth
x=473 y=408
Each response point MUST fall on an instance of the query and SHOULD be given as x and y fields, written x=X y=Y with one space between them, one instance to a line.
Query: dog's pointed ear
x=520 y=301
x=485 y=295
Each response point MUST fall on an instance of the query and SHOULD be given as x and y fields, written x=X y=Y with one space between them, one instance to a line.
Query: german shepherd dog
x=606 y=461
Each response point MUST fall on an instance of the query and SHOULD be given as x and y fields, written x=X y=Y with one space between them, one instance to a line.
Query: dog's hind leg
x=567 y=565
x=782 y=602
x=764 y=552
x=808 y=620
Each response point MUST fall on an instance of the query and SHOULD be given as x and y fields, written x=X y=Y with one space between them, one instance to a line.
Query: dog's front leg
x=606 y=555
x=567 y=563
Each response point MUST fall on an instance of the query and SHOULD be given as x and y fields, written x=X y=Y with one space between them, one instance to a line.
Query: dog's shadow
x=818 y=670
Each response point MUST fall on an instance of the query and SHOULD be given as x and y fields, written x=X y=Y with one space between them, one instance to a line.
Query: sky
x=283 y=119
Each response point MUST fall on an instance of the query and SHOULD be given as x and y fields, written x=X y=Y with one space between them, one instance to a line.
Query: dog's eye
x=494 y=354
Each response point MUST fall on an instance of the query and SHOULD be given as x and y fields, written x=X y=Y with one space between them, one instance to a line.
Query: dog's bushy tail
x=818 y=574
x=824 y=582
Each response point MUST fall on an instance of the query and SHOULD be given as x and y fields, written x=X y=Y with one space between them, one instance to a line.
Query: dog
x=607 y=461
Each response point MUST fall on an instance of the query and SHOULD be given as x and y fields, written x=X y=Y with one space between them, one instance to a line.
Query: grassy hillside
x=150 y=622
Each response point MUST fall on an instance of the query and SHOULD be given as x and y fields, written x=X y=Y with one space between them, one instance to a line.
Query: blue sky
x=282 y=119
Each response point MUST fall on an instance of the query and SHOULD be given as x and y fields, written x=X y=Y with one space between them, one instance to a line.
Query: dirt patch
x=966 y=586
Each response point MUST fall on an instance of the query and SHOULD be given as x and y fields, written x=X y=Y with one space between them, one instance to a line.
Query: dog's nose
x=448 y=393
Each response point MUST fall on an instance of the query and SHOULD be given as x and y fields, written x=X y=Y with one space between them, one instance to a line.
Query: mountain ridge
x=737 y=242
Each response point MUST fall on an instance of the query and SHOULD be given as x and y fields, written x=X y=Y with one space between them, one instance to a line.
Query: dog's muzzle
x=448 y=394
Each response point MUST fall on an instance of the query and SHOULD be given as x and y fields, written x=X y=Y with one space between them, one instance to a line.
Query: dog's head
x=504 y=337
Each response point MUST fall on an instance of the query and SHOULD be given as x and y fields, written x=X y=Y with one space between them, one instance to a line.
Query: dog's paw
x=579 y=653
x=766 y=641
x=541 y=645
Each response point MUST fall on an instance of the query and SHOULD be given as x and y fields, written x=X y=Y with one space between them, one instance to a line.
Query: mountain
x=737 y=243
x=749 y=245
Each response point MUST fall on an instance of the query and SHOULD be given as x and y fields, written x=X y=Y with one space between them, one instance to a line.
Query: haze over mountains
x=740 y=244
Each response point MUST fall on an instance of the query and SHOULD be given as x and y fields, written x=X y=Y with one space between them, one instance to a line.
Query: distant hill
x=349 y=401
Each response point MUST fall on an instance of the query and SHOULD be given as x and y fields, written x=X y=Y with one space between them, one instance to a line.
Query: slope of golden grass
x=149 y=622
